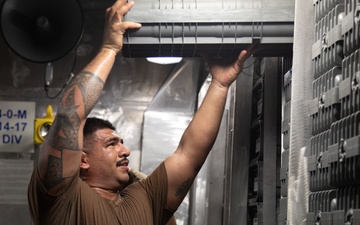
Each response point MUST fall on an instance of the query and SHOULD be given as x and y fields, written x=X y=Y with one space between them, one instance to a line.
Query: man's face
x=107 y=156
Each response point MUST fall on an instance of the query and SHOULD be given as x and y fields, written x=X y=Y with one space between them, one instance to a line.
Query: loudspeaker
x=41 y=31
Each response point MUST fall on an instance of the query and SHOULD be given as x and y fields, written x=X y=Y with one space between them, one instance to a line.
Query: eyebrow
x=114 y=139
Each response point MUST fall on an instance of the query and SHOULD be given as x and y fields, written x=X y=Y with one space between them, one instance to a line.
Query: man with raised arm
x=81 y=174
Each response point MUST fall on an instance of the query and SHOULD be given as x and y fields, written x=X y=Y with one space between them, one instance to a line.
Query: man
x=135 y=176
x=100 y=195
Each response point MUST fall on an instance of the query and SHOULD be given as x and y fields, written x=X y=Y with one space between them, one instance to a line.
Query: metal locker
x=348 y=209
x=287 y=86
x=322 y=7
x=344 y=151
x=284 y=173
x=282 y=218
x=327 y=49
x=333 y=40
x=328 y=207
x=349 y=92
x=285 y=126
x=351 y=26
x=318 y=165
x=310 y=216
x=325 y=106
x=317 y=48
x=255 y=141
x=321 y=206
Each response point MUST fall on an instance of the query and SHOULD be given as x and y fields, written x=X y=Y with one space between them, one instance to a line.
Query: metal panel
x=349 y=93
x=285 y=126
x=327 y=48
x=283 y=211
x=348 y=206
x=167 y=117
x=237 y=155
x=187 y=28
x=287 y=85
x=321 y=207
x=271 y=137
x=325 y=105
x=344 y=151
x=284 y=170
x=351 y=26
x=154 y=11
x=322 y=7
x=318 y=165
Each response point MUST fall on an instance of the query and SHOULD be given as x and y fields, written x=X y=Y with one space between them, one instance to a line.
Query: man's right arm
x=61 y=152
x=60 y=155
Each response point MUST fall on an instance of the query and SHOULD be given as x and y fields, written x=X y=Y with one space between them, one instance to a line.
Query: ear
x=84 y=161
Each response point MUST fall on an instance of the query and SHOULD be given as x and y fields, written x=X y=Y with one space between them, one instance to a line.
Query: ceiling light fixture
x=164 y=60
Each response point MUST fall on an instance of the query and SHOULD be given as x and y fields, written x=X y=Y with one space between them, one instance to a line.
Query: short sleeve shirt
x=142 y=203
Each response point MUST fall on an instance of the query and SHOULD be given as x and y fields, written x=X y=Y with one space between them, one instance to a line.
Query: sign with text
x=17 y=126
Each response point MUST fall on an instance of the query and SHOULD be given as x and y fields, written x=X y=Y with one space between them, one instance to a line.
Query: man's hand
x=114 y=27
x=225 y=70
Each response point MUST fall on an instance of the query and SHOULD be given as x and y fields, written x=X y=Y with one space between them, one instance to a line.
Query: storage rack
x=333 y=162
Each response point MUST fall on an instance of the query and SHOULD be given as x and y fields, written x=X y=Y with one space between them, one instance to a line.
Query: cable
x=67 y=81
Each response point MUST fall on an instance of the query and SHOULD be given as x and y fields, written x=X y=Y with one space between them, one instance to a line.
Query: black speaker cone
x=41 y=30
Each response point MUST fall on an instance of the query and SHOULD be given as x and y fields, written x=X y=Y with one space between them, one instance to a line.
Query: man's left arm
x=184 y=164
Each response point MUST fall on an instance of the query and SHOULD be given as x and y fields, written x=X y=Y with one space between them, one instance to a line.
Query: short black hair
x=93 y=124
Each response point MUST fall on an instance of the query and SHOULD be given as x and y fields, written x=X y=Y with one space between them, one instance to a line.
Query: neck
x=106 y=193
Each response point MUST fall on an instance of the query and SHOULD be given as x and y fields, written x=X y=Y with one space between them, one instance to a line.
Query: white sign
x=17 y=126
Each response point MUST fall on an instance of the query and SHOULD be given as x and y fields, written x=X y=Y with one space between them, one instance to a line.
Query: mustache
x=122 y=162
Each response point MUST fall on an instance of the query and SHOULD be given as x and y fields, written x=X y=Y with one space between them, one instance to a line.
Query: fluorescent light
x=164 y=60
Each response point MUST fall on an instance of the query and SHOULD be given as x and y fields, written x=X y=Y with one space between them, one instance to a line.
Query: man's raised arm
x=60 y=155
x=199 y=137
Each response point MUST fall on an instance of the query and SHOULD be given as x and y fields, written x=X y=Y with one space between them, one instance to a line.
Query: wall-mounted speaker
x=41 y=31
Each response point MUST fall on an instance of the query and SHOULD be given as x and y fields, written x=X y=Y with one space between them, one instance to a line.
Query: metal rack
x=333 y=160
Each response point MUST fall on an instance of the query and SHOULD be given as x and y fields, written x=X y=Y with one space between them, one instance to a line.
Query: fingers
x=245 y=54
x=117 y=12
x=131 y=25
x=124 y=8
x=121 y=7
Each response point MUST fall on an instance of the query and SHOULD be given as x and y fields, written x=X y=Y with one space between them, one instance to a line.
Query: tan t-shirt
x=142 y=203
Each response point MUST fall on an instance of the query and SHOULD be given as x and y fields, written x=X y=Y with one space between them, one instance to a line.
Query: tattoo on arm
x=91 y=86
x=65 y=128
x=53 y=174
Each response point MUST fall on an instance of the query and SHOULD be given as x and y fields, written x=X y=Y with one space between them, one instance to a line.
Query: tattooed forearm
x=183 y=188
x=90 y=86
x=53 y=175
x=66 y=126
x=64 y=134
x=77 y=102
